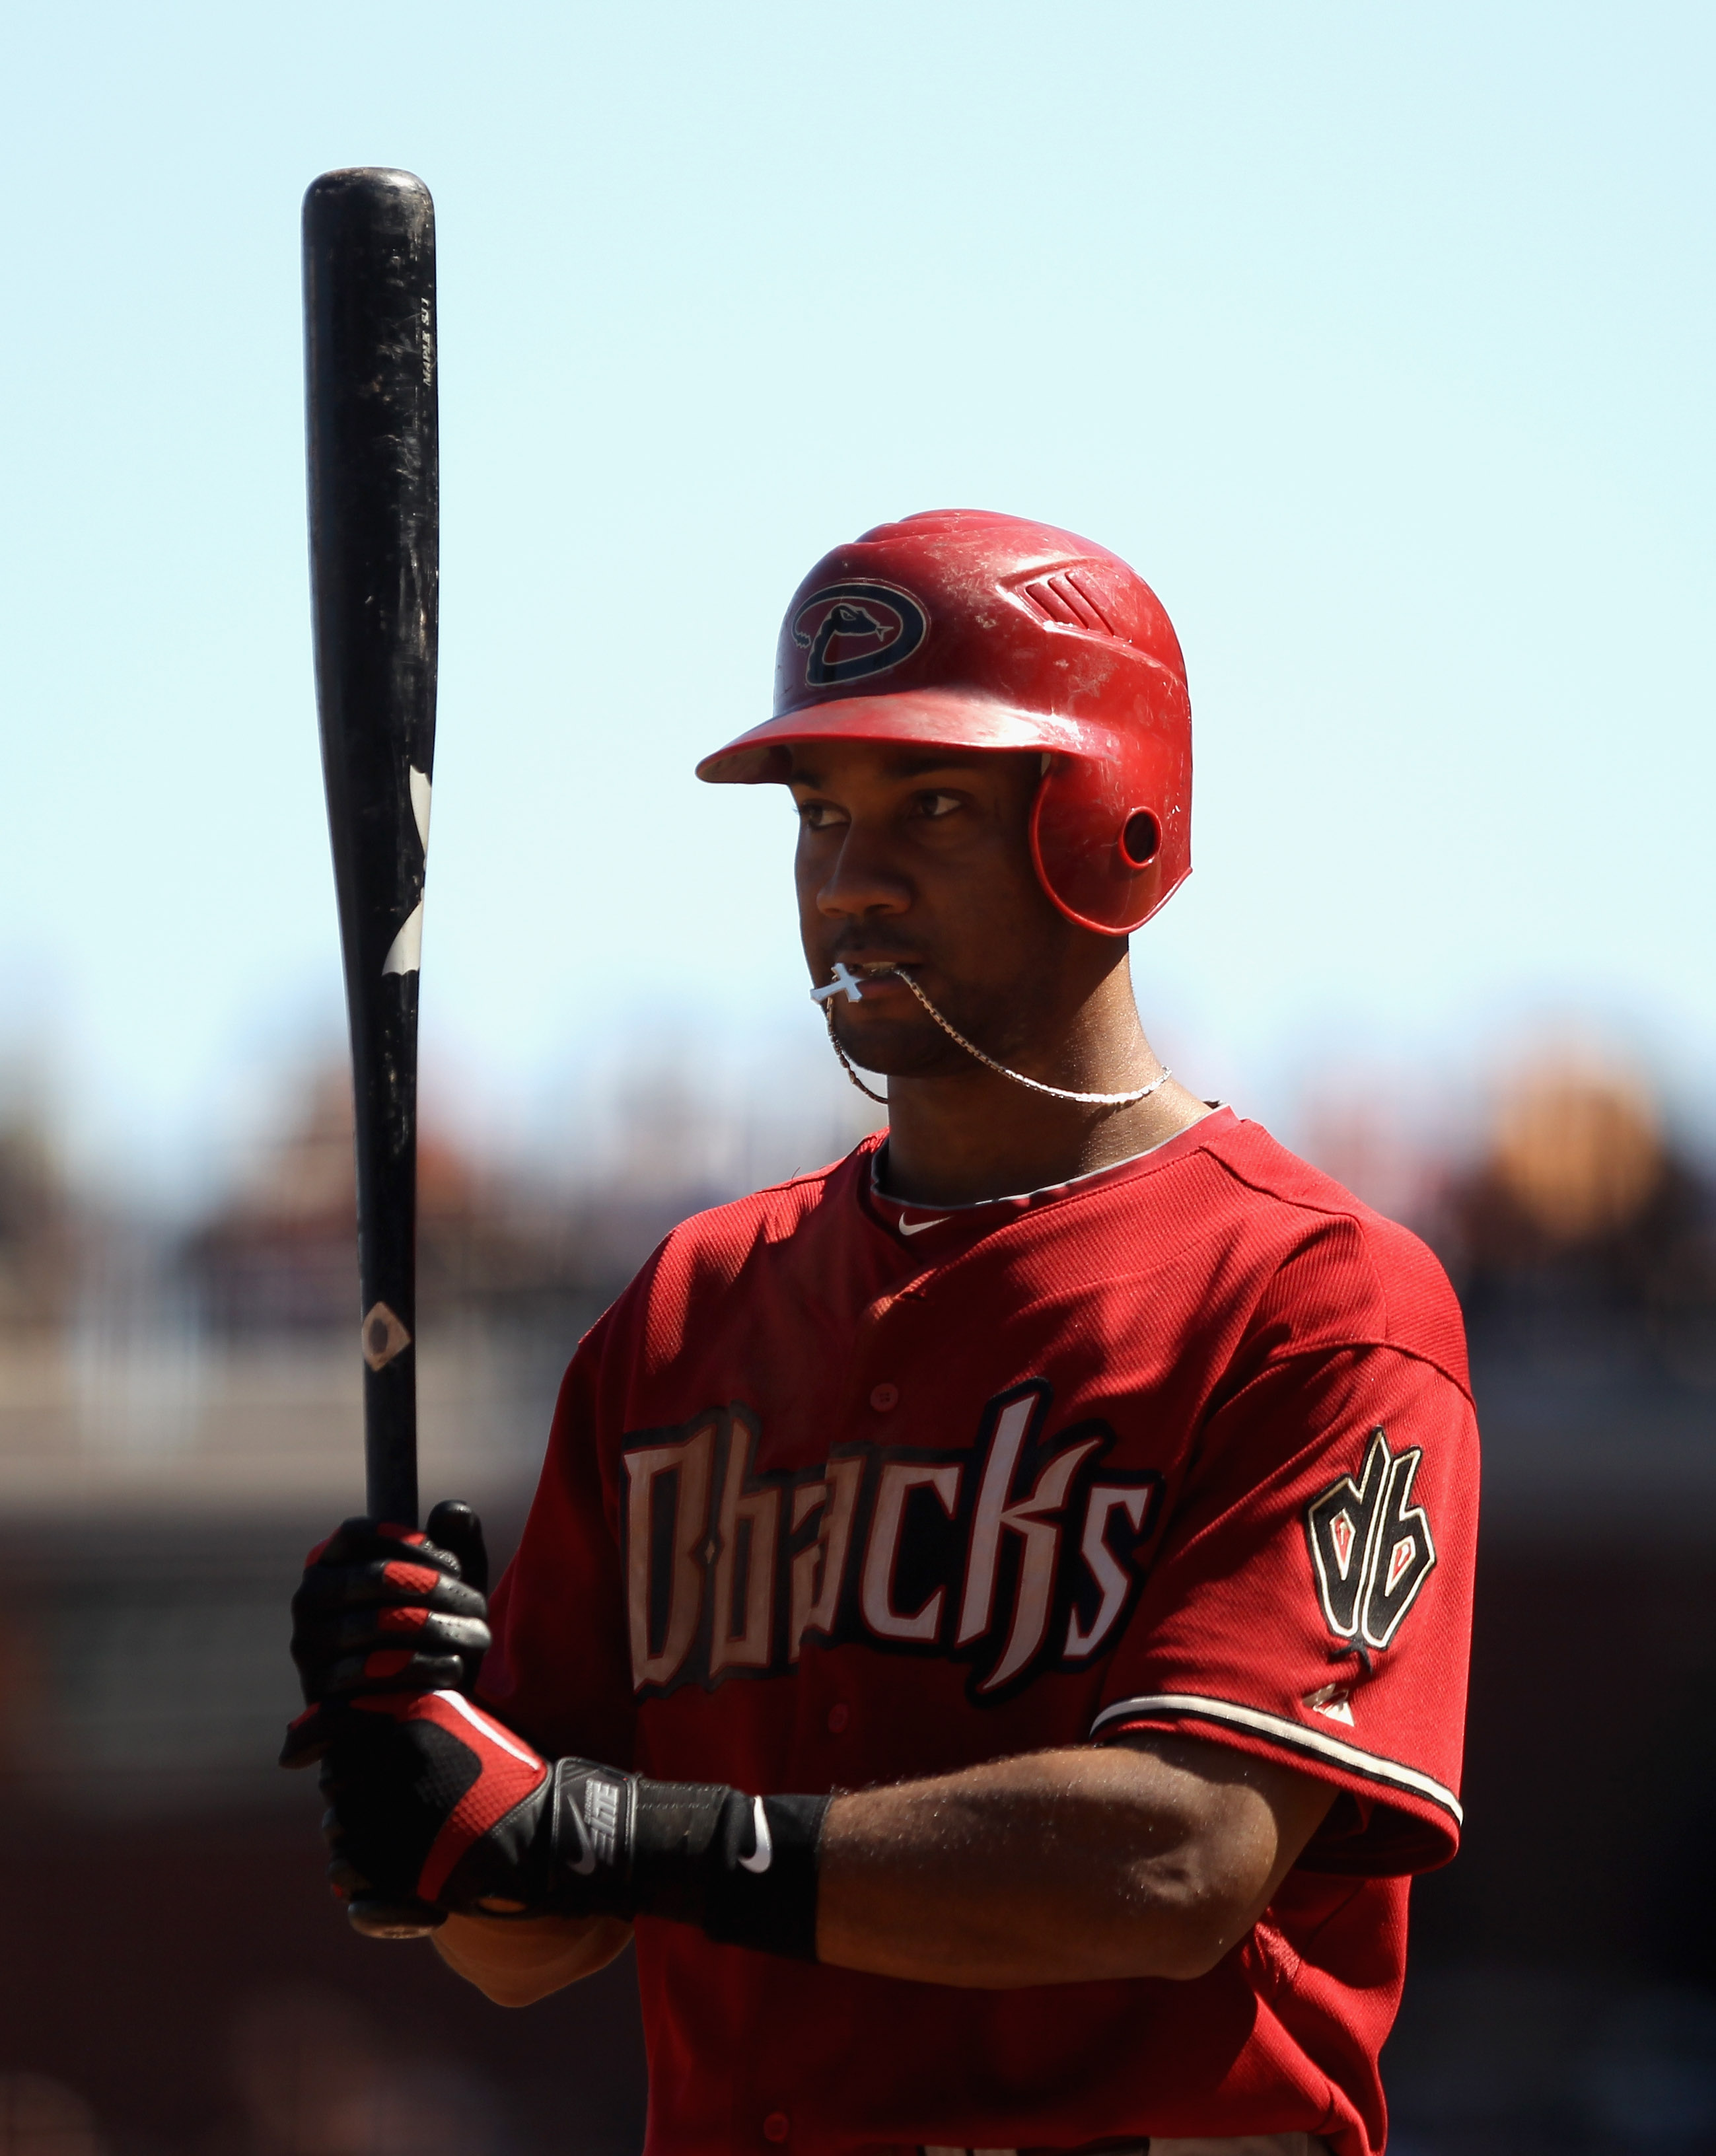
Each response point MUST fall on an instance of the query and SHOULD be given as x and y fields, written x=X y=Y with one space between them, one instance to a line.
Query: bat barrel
x=371 y=364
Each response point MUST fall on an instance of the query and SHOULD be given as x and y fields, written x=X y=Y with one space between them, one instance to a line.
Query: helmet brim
x=931 y=718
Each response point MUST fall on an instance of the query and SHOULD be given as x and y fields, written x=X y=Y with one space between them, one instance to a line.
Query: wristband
x=742 y=1868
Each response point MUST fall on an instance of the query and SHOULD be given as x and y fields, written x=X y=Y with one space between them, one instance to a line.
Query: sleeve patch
x=1371 y=1549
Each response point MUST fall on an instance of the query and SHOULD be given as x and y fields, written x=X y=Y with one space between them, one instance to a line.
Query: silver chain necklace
x=845 y=983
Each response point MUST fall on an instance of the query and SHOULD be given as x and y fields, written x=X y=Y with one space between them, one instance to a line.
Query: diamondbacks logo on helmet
x=852 y=630
x=1370 y=1546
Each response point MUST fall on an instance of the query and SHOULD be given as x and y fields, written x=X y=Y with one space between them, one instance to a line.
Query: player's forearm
x=1059 y=1867
x=516 y=1962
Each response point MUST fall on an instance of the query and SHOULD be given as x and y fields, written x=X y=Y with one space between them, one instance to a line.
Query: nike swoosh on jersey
x=762 y=1856
x=917 y=1227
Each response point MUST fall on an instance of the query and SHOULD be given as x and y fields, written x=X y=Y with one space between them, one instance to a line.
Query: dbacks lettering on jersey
x=1015 y=1556
x=1370 y=1546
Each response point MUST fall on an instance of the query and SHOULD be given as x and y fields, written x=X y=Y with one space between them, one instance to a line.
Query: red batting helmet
x=965 y=630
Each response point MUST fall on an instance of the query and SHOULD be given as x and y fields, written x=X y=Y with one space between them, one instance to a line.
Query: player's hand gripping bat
x=369 y=304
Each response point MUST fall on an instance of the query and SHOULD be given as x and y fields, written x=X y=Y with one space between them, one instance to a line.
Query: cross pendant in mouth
x=844 y=983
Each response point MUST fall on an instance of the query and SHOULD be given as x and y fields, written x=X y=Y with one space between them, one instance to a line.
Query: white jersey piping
x=1370 y=1765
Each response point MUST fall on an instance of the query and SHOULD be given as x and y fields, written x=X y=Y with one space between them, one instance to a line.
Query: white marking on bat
x=382 y=1336
x=405 y=951
x=420 y=792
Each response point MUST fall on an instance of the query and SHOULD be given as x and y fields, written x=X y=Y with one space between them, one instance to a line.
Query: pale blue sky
x=1379 y=338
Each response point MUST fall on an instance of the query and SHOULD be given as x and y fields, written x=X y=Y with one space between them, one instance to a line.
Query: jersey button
x=776 y=2126
x=884 y=1397
x=838 y=1718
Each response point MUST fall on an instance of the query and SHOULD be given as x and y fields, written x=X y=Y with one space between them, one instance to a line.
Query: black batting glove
x=436 y=1805
x=382 y=1609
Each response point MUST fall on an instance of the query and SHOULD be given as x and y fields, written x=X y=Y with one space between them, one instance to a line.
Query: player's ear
x=455 y=1527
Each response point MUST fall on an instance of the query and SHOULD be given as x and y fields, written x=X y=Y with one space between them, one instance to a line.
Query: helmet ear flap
x=1106 y=861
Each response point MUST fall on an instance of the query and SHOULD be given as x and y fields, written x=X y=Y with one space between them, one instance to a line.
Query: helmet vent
x=1140 y=839
x=1064 y=599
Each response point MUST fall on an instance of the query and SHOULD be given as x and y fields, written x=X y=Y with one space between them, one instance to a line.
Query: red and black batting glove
x=431 y=1801
x=383 y=1609
x=435 y=1806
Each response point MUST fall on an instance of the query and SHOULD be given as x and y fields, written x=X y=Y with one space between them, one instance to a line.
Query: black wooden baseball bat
x=370 y=361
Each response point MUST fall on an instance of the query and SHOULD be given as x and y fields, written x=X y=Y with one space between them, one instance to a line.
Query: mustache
x=861 y=951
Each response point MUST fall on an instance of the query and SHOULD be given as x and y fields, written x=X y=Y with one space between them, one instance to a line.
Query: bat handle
x=378 y=1916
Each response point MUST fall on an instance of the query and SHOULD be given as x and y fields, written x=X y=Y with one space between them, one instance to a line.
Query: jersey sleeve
x=1312 y=1598
x=559 y=1670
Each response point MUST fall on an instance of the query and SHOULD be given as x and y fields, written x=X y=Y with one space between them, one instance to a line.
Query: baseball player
x=993 y=1624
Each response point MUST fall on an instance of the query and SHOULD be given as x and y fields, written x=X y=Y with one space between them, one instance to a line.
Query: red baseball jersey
x=843 y=1492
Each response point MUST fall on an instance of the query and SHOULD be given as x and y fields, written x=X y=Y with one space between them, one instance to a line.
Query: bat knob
x=379 y=1918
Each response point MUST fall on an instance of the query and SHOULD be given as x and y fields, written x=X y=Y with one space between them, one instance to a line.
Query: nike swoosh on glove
x=386 y=1608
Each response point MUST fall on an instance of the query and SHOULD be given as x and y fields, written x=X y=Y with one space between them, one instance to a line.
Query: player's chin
x=895 y=1047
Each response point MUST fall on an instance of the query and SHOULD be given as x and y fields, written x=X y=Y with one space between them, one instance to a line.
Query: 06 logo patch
x=852 y=630
x=1371 y=1549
